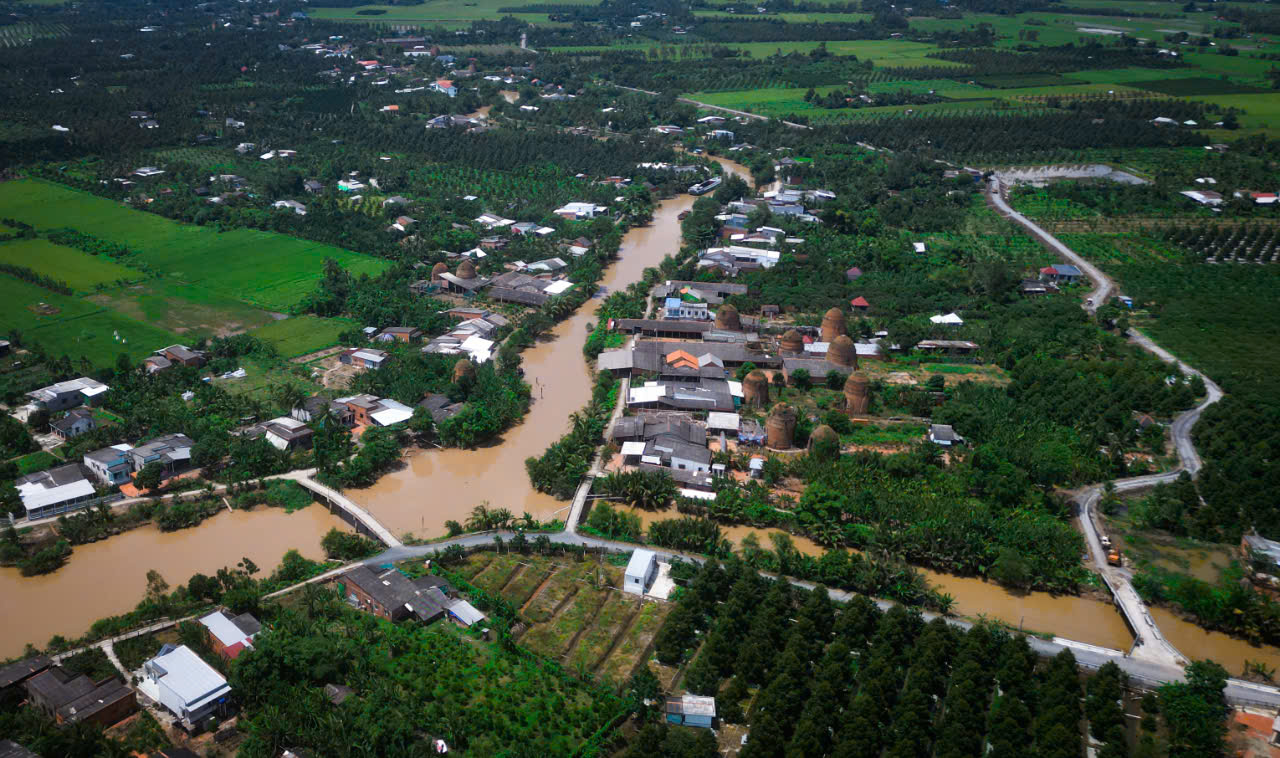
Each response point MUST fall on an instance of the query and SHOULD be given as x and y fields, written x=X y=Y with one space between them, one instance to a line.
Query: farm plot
x=496 y=575
x=564 y=582
x=611 y=620
x=1228 y=244
x=73 y=327
x=474 y=564
x=635 y=643
x=82 y=271
x=270 y=270
x=524 y=584
x=303 y=334
x=554 y=637
x=20 y=35
x=186 y=309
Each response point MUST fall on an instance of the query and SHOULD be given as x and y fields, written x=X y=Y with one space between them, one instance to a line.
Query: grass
x=1261 y=111
x=475 y=563
x=188 y=309
x=303 y=334
x=269 y=270
x=81 y=270
x=37 y=461
x=522 y=587
x=495 y=576
x=74 y=327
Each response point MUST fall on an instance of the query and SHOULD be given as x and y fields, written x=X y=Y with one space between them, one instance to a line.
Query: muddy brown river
x=434 y=486
x=440 y=485
x=109 y=577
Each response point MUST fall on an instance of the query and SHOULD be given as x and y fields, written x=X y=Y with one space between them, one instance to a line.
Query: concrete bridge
x=361 y=519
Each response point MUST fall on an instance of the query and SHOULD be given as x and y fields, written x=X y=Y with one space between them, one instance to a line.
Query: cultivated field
x=269 y=270
x=84 y=272
x=575 y=610
x=74 y=327
x=303 y=334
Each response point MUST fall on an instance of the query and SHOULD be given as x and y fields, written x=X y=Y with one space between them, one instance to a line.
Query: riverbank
x=435 y=486
x=108 y=577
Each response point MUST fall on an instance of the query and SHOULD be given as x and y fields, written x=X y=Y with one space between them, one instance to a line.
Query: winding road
x=1151 y=643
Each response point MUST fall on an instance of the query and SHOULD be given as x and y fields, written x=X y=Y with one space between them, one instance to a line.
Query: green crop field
x=303 y=334
x=187 y=309
x=270 y=270
x=79 y=269
x=443 y=12
x=74 y=327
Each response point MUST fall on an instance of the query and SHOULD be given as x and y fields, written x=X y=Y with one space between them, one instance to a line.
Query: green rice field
x=75 y=327
x=303 y=334
x=81 y=270
x=269 y=270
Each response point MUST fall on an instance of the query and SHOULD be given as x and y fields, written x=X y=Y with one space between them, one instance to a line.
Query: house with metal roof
x=55 y=491
x=110 y=465
x=172 y=452
x=68 y=394
x=70 y=699
x=1061 y=273
x=230 y=635
x=640 y=571
x=186 y=686
x=690 y=710
x=944 y=435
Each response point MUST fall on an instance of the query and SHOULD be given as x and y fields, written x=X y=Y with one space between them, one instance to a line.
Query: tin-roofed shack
x=691 y=710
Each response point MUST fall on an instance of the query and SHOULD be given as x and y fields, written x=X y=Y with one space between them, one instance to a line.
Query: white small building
x=640 y=571
x=186 y=686
x=578 y=211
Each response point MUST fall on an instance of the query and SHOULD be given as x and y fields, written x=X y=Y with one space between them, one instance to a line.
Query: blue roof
x=1065 y=269
x=673 y=302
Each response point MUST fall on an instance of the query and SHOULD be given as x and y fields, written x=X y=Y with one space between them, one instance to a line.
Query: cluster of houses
x=525 y=284
x=176 y=682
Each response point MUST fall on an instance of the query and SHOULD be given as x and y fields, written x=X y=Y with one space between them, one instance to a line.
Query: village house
x=676 y=308
x=312 y=186
x=293 y=205
x=1061 y=273
x=579 y=211
x=230 y=635
x=444 y=86
x=369 y=410
x=315 y=407
x=690 y=710
x=68 y=394
x=282 y=433
x=76 y=422
x=54 y=491
x=363 y=357
x=405 y=334
x=186 y=686
x=393 y=596
x=184 y=355
x=944 y=435
x=172 y=452
x=18 y=672
x=70 y=699
x=111 y=465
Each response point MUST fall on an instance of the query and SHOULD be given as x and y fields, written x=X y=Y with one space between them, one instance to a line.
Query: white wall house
x=189 y=688
x=640 y=571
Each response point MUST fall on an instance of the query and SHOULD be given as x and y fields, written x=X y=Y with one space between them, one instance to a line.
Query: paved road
x=1150 y=672
x=1152 y=644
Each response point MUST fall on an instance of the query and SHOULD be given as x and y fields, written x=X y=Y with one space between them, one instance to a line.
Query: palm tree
x=479 y=518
